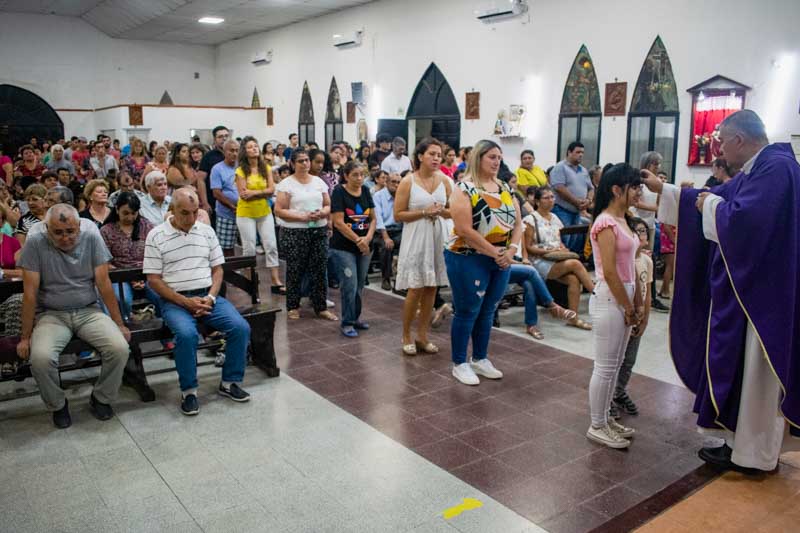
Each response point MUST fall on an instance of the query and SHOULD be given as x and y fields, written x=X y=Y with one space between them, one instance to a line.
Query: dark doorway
x=434 y=109
x=394 y=127
x=23 y=115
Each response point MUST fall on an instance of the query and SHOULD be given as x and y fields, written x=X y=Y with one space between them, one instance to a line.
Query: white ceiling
x=176 y=20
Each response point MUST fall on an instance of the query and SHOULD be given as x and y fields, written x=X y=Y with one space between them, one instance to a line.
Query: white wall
x=523 y=62
x=71 y=64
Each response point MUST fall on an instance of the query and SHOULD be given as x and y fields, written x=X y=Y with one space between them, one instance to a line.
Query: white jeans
x=610 y=337
x=266 y=228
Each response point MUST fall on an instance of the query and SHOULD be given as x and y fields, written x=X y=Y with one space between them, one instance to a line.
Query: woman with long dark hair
x=180 y=173
x=421 y=204
x=479 y=256
x=125 y=232
x=256 y=185
x=616 y=304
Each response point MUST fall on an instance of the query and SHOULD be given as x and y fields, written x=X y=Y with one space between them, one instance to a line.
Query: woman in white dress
x=421 y=204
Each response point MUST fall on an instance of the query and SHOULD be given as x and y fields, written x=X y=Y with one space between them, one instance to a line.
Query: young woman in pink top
x=615 y=305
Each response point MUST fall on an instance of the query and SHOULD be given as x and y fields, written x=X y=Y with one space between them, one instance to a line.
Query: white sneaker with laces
x=622 y=431
x=485 y=368
x=465 y=374
x=260 y=250
x=608 y=437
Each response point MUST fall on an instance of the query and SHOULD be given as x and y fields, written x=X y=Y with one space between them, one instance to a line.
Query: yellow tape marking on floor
x=468 y=504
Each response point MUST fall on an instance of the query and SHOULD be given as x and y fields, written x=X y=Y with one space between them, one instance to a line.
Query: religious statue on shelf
x=501 y=126
x=715 y=144
x=517 y=114
x=702 y=142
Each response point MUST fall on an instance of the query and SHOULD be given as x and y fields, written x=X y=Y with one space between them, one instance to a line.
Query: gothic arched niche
x=305 y=122
x=434 y=109
x=334 y=127
x=581 y=114
x=23 y=115
x=653 y=119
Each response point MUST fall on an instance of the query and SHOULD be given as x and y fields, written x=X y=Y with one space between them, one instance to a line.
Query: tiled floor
x=520 y=439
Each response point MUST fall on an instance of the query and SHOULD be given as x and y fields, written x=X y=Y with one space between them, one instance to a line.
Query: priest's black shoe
x=100 y=410
x=61 y=418
x=720 y=457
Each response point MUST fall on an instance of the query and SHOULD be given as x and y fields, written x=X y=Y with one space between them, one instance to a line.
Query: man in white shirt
x=397 y=162
x=183 y=262
x=646 y=209
x=102 y=162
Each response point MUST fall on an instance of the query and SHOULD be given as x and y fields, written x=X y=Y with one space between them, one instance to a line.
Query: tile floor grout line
x=159 y=474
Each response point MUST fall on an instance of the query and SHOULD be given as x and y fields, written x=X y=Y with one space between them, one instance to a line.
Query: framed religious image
x=363 y=133
x=712 y=101
x=616 y=98
x=135 y=115
x=270 y=117
x=473 y=107
x=351 y=112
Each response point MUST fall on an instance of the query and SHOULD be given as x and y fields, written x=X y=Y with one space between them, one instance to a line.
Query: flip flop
x=580 y=324
x=534 y=332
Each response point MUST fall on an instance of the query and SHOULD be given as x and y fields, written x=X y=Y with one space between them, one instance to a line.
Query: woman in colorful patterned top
x=478 y=258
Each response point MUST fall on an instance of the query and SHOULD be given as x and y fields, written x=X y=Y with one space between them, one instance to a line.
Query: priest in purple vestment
x=734 y=332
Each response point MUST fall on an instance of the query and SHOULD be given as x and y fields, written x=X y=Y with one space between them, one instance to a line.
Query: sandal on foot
x=534 y=332
x=410 y=349
x=563 y=314
x=663 y=296
x=327 y=315
x=427 y=347
x=580 y=324
x=278 y=289
x=293 y=314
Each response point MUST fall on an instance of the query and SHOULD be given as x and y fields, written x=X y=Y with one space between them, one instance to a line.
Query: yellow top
x=534 y=177
x=257 y=207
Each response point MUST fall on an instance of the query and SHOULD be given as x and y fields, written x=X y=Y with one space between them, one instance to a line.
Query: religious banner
x=270 y=117
x=135 y=115
x=473 y=107
x=616 y=98
x=351 y=112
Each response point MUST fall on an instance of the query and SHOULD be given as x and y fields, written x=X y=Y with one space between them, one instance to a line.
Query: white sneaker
x=622 y=431
x=260 y=250
x=465 y=374
x=607 y=436
x=485 y=368
x=329 y=304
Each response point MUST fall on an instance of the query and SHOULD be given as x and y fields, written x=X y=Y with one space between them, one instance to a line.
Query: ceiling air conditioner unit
x=261 y=58
x=348 y=39
x=513 y=8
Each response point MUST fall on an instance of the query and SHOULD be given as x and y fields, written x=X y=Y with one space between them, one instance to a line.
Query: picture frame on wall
x=270 y=117
x=616 y=99
x=135 y=115
x=472 y=109
x=351 y=112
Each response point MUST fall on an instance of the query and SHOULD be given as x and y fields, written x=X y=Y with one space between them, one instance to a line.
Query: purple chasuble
x=752 y=275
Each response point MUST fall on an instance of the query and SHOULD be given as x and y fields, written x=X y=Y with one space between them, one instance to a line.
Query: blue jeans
x=224 y=318
x=477 y=285
x=351 y=269
x=574 y=242
x=535 y=290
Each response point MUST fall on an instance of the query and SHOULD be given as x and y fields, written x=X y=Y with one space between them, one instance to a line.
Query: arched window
x=434 y=110
x=23 y=115
x=305 y=124
x=334 y=127
x=653 y=119
x=581 y=114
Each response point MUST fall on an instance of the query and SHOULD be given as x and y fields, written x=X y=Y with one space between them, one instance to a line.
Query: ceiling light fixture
x=211 y=20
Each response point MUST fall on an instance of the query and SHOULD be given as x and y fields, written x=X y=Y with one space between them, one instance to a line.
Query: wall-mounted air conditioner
x=261 y=58
x=511 y=9
x=345 y=40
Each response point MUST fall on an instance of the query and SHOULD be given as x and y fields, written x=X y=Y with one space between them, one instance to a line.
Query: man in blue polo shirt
x=574 y=192
x=223 y=187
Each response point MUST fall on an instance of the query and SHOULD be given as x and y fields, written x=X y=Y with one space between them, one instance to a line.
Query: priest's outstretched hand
x=652 y=181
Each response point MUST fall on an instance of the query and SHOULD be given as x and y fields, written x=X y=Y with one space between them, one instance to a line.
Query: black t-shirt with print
x=357 y=211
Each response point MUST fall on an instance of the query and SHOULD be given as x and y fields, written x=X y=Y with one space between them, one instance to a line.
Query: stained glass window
x=333 y=117
x=581 y=114
x=653 y=119
x=305 y=123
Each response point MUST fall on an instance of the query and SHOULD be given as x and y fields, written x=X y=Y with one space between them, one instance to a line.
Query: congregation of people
x=425 y=219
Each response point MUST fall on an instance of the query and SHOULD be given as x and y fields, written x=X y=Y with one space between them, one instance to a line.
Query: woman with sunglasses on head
x=616 y=305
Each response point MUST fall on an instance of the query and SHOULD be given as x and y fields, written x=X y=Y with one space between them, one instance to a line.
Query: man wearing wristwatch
x=183 y=262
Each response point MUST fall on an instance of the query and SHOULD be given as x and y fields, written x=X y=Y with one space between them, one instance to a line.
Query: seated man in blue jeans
x=574 y=193
x=183 y=262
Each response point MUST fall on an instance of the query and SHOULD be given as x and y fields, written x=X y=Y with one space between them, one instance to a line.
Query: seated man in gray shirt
x=574 y=193
x=64 y=269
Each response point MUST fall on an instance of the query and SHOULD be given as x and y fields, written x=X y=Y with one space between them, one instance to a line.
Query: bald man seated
x=64 y=270
x=183 y=262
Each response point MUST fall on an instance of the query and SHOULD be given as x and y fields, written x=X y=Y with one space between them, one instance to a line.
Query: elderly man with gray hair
x=397 y=162
x=57 y=160
x=646 y=207
x=64 y=270
x=155 y=204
